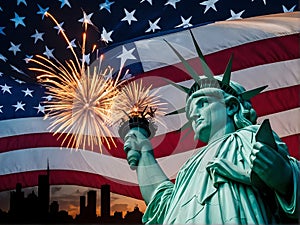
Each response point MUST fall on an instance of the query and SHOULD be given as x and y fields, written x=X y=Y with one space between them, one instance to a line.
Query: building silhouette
x=36 y=208
x=105 y=201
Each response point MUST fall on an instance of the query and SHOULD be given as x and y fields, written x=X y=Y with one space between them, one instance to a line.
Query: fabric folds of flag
x=266 y=52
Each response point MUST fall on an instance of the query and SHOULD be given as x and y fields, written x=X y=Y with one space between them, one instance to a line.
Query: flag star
x=40 y=108
x=21 y=1
x=129 y=16
x=3 y=58
x=209 y=4
x=1 y=106
x=1 y=74
x=28 y=92
x=5 y=88
x=86 y=58
x=285 y=10
x=48 y=98
x=1 y=30
x=1 y=9
x=263 y=1
x=16 y=69
x=185 y=22
x=126 y=55
x=42 y=11
x=37 y=36
x=150 y=1
x=235 y=16
x=19 y=105
x=48 y=52
x=14 y=48
x=106 y=5
x=18 y=20
x=28 y=57
x=86 y=19
x=105 y=36
x=59 y=27
x=72 y=44
x=65 y=2
x=153 y=26
x=172 y=3
x=19 y=81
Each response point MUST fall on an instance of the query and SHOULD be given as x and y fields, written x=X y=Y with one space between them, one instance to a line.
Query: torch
x=136 y=108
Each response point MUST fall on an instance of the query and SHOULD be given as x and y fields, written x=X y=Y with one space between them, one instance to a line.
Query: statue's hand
x=136 y=143
x=274 y=169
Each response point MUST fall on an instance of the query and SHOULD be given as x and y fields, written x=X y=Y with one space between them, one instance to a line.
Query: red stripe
x=293 y=143
x=245 y=56
x=65 y=177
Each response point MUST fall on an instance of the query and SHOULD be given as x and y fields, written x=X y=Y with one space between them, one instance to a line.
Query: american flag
x=263 y=35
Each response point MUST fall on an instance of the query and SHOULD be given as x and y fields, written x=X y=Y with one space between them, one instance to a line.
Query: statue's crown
x=210 y=80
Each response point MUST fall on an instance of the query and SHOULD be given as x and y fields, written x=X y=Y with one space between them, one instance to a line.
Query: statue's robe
x=214 y=187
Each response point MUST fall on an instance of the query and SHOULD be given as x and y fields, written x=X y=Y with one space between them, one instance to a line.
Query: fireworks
x=81 y=99
x=137 y=104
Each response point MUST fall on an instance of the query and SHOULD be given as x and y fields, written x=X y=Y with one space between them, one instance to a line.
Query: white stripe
x=85 y=161
x=284 y=123
x=154 y=53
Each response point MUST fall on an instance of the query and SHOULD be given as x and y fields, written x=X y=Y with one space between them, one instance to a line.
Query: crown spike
x=247 y=95
x=227 y=73
x=188 y=67
x=178 y=86
x=207 y=71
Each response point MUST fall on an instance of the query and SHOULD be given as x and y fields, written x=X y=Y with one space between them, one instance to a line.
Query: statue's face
x=209 y=117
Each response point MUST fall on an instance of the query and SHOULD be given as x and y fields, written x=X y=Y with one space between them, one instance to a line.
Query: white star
x=14 y=48
x=72 y=44
x=28 y=92
x=59 y=27
x=129 y=16
x=18 y=20
x=1 y=30
x=153 y=26
x=48 y=98
x=28 y=57
x=5 y=88
x=1 y=74
x=209 y=4
x=21 y=1
x=126 y=55
x=86 y=58
x=150 y=1
x=106 y=5
x=185 y=22
x=1 y=106
x=263 y=1
x=19 y=105
x=3 y=58
x=285 y=10
x=86 y=19
x=106 y=36
x=37 y=36
x=42 y=11
x=235 y=16
x=48 y=52
x=65 y=2
x=16 y=69
x=172 y=3
x=40 y=108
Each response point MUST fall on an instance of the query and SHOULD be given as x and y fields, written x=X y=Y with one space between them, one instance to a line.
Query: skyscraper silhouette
x=91 y=205
x=105 y=201
x=44 y=193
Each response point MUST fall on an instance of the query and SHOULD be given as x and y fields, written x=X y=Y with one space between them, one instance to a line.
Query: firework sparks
x=82 y=99
x=137 y=101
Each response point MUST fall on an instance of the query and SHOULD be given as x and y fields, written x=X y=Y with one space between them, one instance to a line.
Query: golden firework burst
x=137 y=101
x=80 y=108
